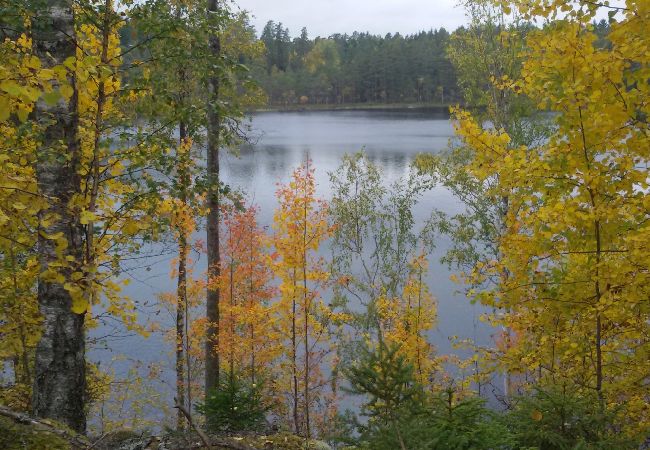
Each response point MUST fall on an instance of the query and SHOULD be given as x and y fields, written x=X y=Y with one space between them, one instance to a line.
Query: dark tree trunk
x=294 y=357
x=183 y=379
x=60 y=378
x=306 y=309
x=181 y=291
x=214 y=260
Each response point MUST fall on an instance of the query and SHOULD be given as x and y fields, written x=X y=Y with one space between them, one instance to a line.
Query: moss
x=115 y=439
x=282 y=441
x=15 y=436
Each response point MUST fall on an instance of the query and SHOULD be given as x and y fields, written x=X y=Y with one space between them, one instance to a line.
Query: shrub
x=238 y=405
x=559 y=418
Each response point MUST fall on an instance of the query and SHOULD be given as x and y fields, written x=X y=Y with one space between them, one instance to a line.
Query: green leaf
x=22 y=114
x=12 y=88
x=4 y=108
x=51 y=98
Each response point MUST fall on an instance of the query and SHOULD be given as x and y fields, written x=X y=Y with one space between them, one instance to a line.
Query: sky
x=326 y=17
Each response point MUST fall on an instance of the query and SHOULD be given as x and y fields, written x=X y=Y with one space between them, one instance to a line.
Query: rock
x=14 y=436
x=319 y=445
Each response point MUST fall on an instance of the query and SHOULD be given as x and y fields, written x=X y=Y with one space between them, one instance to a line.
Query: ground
x=17 y=436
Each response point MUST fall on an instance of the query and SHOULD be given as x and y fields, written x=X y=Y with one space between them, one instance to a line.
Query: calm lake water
x=279 y=143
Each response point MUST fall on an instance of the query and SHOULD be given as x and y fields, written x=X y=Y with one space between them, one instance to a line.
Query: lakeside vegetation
x=114 y=116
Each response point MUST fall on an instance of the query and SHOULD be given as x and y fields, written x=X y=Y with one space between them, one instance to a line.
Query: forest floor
x=175 y=441
x=44 y=435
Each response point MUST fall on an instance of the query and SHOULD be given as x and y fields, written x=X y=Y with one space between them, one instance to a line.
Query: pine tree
x=384 y=375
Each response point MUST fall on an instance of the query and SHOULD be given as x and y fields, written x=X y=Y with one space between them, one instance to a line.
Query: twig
x=100 y=439
x=188 y=416
x=206 y=440
x=76 y=440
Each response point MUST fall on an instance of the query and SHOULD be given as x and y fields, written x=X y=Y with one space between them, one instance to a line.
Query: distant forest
x=356 y=68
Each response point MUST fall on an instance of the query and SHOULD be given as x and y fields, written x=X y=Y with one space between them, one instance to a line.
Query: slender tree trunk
x=232 y=322
x=307 y=361
x=214 y=258
x=100 y=105
x=294 y=358
x=400 y=439
x=21 y=375
x=60 y=372
x=599 y=326
x=188 y=357
x=183 y=366
x=417 y=327
x=597 y=288
x=251 y=300
x=252 y=332
x=306 y=312
x=181 y=291
x=504 y=275
x=180 y=327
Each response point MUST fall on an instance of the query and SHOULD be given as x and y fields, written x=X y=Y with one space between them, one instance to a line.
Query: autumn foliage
x=99 y=161
x=573 y=272
x=301 y=225
x=248 y=347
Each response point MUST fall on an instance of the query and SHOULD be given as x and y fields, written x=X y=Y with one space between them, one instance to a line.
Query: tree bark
x=214 y=258
x=60 y=378
x=183 y=367
x=181 y=290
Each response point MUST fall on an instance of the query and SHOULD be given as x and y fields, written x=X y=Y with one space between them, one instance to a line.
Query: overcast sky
x=326 y=17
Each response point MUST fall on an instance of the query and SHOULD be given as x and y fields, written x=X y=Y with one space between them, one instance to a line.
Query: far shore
x=423 y=107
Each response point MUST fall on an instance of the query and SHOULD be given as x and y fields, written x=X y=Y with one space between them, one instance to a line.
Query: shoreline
x=398 y=107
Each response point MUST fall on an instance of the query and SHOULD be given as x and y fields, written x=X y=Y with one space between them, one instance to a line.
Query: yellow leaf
x=79 y=305
x=12 y=88
x=87 y=217
x=66 y=90
x=130 y=227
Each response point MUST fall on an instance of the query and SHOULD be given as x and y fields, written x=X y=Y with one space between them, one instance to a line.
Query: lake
x=279 y=142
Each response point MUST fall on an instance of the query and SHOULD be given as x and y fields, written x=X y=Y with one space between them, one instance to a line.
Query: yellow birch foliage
x=575 y=266
x=108 y=214
x=101 y=206
x=304 y=320
x=405 y=321
x=23 y=82
x=108 y=207
x=113 y=207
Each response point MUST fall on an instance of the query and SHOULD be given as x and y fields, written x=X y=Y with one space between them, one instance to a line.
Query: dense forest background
x=359 y=69
x=356 y=68
x=346 y=69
